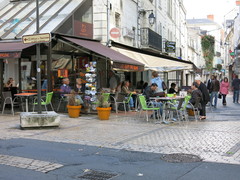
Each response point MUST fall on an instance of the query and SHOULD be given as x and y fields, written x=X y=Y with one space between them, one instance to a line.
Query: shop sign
x=128 y=67
x=83 y=29
x=10 y=55
x=36 y=38
x=62 y=73
x=170 y=46
x=115 y=33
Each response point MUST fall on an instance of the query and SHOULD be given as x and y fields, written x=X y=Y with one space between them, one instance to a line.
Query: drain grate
x=97 y=175
x=181 y=158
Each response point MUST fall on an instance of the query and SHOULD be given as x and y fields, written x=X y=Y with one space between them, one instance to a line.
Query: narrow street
x=127 y=147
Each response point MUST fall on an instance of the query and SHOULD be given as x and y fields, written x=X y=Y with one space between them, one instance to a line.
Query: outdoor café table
x=26 y=95
x=165 y=100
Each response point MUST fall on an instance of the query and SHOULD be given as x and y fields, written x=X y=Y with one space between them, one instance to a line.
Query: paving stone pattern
x=26 y=163
x=216 y=139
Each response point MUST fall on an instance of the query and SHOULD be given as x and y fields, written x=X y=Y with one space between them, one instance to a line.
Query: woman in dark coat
x=202 y=87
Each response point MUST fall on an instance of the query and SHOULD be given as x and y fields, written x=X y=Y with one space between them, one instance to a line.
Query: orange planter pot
x=104 y=113
x=74 y=111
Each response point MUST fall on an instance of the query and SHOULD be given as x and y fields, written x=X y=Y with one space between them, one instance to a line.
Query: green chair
x=180 y=108
x=144 y=107
x=48 y=100
x=170 y=95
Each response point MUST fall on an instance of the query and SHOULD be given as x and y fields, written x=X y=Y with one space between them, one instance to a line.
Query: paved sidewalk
x=216 y=139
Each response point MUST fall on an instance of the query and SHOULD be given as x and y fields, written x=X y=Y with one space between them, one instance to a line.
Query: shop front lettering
x=10 y=55
x=127 y=67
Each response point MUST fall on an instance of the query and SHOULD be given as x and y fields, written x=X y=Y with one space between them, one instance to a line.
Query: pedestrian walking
x=208 y=84
x=205 y=97
x=224 y=86
x=214 y=89
x=235 y=88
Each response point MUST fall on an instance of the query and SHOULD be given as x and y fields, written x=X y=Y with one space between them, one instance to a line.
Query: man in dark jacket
x=150 y=92
x=235 y=88
x=202 y=87
x=214 y=89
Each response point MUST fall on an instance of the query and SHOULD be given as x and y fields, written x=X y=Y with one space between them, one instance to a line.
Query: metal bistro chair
x=48 y=101
x=195 y=108
x=120 y=98
x=62 y=99
x=7 y=97
x=144 y=107
x=180 y=108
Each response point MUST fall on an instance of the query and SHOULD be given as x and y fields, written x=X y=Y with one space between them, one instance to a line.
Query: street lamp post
x=38 y=61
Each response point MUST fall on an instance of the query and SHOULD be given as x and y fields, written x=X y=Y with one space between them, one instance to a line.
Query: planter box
x=33 y=119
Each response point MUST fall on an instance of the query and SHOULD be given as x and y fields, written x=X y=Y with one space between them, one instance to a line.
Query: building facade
x=207 y=27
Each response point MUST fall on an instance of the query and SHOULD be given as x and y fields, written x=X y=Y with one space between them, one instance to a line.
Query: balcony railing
x=150 y=39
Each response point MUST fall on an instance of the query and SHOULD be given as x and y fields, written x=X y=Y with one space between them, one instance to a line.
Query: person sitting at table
x=125 y=89
x=65 y=88
x=196 y=96
x=10 y=83
x=150 y=91
x=80 y=87
x=172 y=89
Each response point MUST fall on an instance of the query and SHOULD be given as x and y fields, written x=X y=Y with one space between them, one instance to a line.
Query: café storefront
x=71 y=53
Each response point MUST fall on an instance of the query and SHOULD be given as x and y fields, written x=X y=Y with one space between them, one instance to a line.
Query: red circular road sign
x=115 y=33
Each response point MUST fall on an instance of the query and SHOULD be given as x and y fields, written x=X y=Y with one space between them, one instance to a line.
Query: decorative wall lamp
x=151 y=17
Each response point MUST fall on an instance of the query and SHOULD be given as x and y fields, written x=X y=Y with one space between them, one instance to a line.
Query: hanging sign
x=170 y=46
x=36 y=38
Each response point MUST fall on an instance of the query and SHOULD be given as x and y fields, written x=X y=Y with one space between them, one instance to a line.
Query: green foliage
x=208 y=43
x=102 y=102
x=72 y=100
x=219 y=67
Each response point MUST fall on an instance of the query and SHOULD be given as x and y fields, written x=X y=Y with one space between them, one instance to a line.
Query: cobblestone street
x=216 y=139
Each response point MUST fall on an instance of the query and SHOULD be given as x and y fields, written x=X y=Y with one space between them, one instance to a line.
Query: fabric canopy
x=115 y=56
x=155 y=63
x=12 y=49
x=13 y=46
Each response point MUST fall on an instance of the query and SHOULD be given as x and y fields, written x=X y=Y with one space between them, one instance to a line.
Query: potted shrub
x=103 y=108
x=74 y=105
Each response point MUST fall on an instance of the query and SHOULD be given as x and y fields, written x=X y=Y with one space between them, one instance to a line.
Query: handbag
x=164 y=86
x=219 y=96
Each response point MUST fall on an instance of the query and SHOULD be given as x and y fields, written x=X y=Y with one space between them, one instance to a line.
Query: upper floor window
x=169 y=8
x=117 y=19
x=160 y=4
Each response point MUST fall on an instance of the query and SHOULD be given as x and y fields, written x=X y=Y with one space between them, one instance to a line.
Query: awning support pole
x=1 y=79
x=49 y=68
x=19 y=75
x=38 y=62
